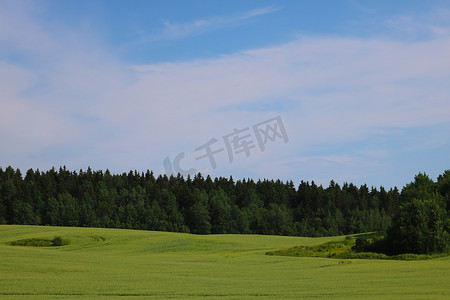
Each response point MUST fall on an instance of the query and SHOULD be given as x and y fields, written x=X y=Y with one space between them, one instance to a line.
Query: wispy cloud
x=421 y=25
x=181 y=30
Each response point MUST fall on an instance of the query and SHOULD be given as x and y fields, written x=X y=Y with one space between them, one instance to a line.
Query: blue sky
x=361 y=87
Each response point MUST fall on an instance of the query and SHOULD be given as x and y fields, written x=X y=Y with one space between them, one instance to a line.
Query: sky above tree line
x=354 y=91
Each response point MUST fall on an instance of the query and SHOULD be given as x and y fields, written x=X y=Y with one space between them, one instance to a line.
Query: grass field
x=112 y=263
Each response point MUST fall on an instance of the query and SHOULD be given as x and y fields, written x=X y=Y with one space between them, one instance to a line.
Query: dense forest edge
x=415 y=219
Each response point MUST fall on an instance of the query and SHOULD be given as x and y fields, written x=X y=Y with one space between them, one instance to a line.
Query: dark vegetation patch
x=39 y=242
x=366 y=246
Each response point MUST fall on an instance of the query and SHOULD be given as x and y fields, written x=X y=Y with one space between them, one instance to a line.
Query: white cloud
x=18 y=30
x=434 y=24
x=182 y=30
x=344 y=89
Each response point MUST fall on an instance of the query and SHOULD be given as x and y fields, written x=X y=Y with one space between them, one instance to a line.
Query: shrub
x=361 y=244
x=32 y=243
x=57 y=241
x=37 y=242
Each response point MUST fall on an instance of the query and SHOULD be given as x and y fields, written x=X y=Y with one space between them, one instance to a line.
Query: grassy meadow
x=115 y=263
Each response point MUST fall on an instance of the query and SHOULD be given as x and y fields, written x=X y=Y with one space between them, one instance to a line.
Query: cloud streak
x=173 y=30
x=425 y=25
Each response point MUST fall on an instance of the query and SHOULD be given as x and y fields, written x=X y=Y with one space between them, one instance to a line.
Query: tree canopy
x=203 y=205
x=422 y=223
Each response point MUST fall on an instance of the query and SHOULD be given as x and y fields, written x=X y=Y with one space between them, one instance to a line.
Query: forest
x=201 y=205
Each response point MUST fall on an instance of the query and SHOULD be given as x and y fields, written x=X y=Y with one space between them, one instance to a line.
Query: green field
x=113 y=263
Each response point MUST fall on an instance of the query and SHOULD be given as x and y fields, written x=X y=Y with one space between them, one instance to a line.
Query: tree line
x=200 y=205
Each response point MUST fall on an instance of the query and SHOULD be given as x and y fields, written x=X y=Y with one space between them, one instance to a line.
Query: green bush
x=32 y=243
x=57 y=241
x=361 y=244
x=36 y=242
x=366 y=246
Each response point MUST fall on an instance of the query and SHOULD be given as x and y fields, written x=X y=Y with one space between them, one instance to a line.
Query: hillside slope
x=109 y=263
